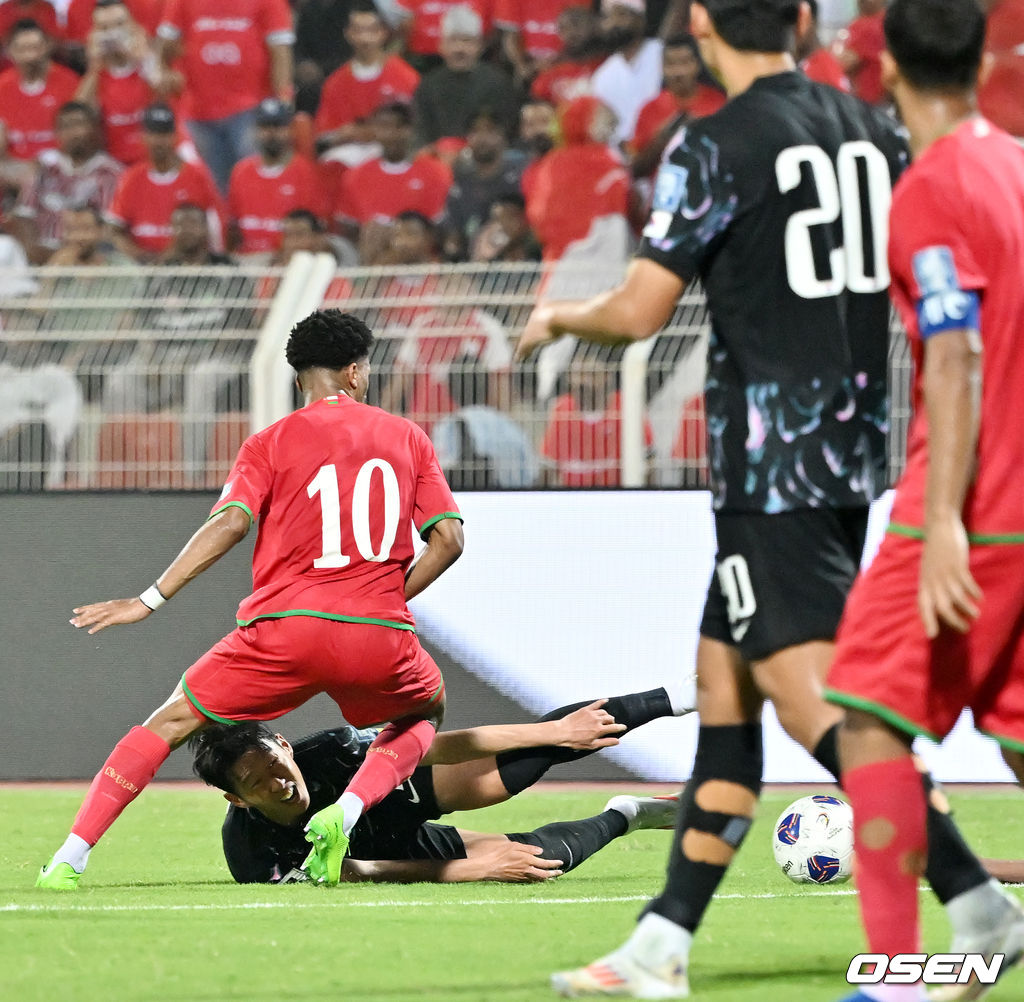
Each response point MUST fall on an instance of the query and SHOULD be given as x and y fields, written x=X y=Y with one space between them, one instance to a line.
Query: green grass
x=157 y=917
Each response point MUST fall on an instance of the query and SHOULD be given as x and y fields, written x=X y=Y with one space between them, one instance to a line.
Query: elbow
x=455 y=541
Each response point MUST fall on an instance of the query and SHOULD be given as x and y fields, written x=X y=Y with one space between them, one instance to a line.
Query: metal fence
x=150 y=378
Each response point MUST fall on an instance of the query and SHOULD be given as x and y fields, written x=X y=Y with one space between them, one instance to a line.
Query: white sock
x=75 y=852
x=657 y=941
x=682 y=694
x=980 y=909
x=353 y=808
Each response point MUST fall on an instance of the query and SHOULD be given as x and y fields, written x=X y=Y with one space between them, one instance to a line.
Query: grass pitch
x=157 y=917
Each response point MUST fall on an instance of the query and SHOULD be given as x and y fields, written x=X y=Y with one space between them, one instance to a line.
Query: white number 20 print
x=839 y=195
x=325 y=483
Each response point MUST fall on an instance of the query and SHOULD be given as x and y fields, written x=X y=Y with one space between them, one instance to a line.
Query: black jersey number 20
x=862 y=211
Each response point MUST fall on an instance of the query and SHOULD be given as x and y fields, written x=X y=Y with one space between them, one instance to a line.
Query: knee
x=723 y=816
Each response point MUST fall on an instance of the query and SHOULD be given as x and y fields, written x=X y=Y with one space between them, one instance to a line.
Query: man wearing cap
x=149 y=191
x=267 y=186
x=451 y=96
x=631 y=76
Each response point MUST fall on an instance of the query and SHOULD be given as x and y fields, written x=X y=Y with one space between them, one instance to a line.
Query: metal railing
x=150 y=377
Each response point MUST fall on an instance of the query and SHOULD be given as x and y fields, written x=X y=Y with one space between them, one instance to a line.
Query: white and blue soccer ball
x=813 y=840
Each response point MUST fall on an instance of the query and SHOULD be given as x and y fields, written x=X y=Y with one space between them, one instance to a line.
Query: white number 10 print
x=325 y=483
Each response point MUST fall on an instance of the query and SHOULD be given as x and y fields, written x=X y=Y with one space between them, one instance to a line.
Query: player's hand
x=947 y=594
x=538 y=332
x=588 y=728
x=516 y=863
x=116 y=612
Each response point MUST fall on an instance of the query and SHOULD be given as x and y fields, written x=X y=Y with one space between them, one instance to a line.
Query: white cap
x=462 y=20
x=637 y=6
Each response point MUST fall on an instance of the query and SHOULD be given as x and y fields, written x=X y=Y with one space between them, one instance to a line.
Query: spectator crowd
x=397 y=133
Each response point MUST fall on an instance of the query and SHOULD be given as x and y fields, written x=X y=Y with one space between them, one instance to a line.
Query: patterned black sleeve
x=695 y=200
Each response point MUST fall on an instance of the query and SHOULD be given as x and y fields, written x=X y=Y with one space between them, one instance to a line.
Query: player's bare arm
x=444 y=546
x=633 y=311
x=948 y=594
x=586 y=729
x=205 y=548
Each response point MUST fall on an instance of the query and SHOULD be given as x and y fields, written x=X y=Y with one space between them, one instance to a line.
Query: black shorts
x=399 y=826
x=782 y=579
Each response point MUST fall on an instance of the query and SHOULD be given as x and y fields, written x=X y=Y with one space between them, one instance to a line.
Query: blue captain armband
x=949 y=310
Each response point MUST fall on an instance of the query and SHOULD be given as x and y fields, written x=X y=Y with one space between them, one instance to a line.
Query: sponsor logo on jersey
x=935 y=271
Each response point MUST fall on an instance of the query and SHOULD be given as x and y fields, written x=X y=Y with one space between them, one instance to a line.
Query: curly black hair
x=328 y=339
x=218 y=747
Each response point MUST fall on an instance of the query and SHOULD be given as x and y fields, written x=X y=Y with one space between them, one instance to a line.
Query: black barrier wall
x=66 y=697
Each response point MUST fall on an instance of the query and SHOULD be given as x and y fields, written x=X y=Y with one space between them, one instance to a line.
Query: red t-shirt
x=586 y=448
x=144 y=201
x=823 y=67
x=661 y=109
x=337 y=487
x=957 y=225
x=866 y=37
x=347 y=98
x=146 y=14
x=564 y=81
x=381 y=190
x=122 y=99
x=536 y=21
x=225 y=61
x=260 y=197
x=40 y=11
x=426 y=15
x=1001 y=96
x=29 y=114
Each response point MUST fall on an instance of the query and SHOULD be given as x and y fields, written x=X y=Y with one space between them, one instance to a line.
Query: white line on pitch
x=335 y=903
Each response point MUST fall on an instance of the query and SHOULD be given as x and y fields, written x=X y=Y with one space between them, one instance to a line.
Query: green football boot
x=62 y=877
x=330 y=844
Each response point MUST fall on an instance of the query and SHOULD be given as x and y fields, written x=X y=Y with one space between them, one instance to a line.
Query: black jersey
x=259 y=851
x=779 y=202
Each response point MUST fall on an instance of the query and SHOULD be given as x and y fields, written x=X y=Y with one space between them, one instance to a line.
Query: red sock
x=887 y=875
x=391 y=760
x=131 y=765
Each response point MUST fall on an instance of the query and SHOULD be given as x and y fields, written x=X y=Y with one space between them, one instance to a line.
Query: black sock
x=520 y=769
x=574 y=841
x=952 y=866
x=733 y=754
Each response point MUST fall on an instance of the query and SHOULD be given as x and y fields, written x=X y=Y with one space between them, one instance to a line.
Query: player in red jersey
x=937 y=622
x=31 y=91
x=335 y=486
x=818 y=62
x=858 y=48
x=148 y=193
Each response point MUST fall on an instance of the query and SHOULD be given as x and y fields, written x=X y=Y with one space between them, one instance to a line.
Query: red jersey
x=586 y=448
x=564 y=81
x=259 y=197
x=144 y=201
x=146 y=13
x=823 y=67
x=663 y=108
x=122 y=98
x=225 y=60
x=380 y=190
x=40 y=11
x=337 y=487
x=28 y=111
x=425 y=33
x=351 y=94
x=536 y=21
x=865 y=36
x=957 y=226
x=1001 y=94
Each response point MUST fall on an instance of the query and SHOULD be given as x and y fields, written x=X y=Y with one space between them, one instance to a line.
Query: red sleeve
x=120 y=209
x=347 y=206
x=508 y=14
x=440 y=185
x=276 y=17
x=249 y=481
x=174 y=15
x=330 y=113
x=434 y=499
x=647 y=124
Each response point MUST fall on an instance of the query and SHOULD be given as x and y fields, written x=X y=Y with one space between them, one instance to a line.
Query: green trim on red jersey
x=430 y=523
x=234 y=504
x=890 y=716
x=199 y=706
x=977 y=538
x=1011 y=743
x=337 y=617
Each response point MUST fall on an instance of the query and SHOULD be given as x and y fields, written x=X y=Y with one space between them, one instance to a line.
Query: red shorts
x=261 y=671
x=886 y=665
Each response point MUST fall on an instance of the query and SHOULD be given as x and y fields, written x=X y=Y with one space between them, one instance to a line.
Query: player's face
x=460 y=52
x=680 y=69
x=268 y=780
x=366 y=34
x=29 y=51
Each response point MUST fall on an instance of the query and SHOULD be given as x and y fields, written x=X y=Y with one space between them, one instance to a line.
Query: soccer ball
x=813 y=840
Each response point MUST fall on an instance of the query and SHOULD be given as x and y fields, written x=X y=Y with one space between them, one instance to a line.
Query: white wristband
x=151 y=598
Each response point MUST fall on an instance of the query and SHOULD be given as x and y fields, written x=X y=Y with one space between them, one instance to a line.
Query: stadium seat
x=226 y=437
x=140 y=451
